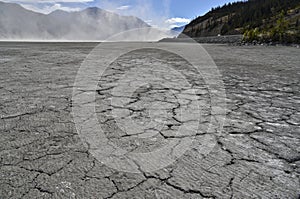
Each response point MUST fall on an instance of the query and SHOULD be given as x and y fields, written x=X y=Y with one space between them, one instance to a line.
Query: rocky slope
x=241 y=17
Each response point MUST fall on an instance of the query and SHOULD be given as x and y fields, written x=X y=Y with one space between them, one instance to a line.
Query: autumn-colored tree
x=282 y=26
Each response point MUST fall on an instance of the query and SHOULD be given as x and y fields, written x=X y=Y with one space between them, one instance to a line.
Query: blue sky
x=158 y=13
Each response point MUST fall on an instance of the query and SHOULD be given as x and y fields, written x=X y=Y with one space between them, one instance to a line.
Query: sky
x=157 y=13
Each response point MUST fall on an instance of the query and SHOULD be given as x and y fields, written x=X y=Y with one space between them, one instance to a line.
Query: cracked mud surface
x=42 y=156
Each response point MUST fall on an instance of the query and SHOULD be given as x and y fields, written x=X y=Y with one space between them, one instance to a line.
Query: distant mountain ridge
x=17 y=23
x=178 y=29
x=257 y=19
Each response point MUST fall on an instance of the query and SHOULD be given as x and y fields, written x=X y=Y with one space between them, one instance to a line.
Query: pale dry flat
x=256 y=156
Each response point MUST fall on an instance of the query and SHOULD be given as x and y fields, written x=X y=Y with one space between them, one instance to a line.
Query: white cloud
x=177 y=20
x=124 y=7
x=48 y=9
x=174 y=26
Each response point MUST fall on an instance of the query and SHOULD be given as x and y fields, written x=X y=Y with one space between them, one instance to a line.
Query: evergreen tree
x=266 y=15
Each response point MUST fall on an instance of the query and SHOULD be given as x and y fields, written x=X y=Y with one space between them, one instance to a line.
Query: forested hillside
x=261 y=20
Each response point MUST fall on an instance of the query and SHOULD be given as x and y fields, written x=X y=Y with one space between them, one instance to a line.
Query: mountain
x=178 y=29
x=271 y=20
x=90 y=24
x=175 y=32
